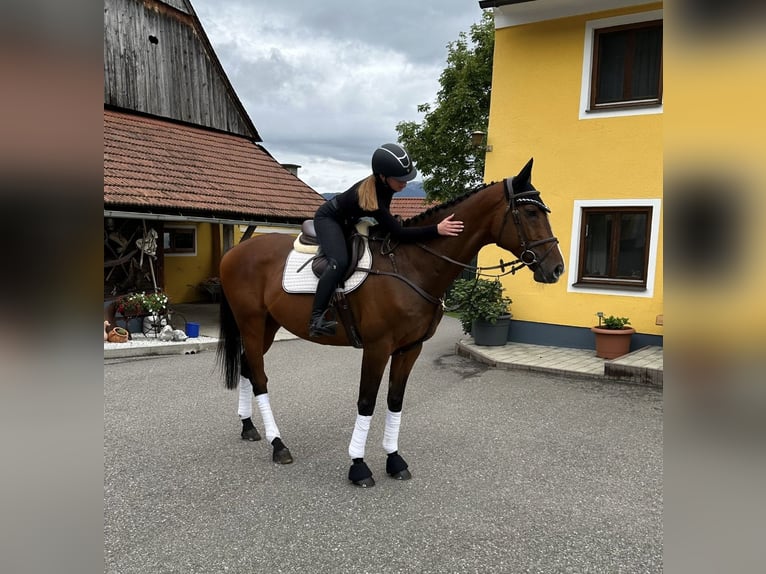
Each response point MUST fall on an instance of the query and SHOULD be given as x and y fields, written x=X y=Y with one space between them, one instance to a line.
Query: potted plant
x=134 y=306
x=482 y=309
x=612 y=336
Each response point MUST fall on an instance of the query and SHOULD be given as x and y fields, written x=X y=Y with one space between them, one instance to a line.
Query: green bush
x=612 y=322
x=477 y=299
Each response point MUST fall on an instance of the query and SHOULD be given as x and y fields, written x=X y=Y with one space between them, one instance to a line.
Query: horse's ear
x=523 y=181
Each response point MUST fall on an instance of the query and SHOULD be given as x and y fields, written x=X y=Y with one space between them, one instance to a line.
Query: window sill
x=623 y=107
x=610 y=286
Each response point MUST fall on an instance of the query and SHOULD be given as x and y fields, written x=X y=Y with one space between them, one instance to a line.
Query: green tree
x=441 y=144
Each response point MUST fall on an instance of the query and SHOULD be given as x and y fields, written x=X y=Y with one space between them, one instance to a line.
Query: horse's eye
x=531 y=212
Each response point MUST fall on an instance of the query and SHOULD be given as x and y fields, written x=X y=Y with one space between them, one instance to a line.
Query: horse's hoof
x=281 y=453
x=402 y=475
x=396 y=467
x=251 y=434
x=282 y=456
x=360 y=474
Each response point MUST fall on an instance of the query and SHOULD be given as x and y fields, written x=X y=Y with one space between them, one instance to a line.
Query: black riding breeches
x=332 y=239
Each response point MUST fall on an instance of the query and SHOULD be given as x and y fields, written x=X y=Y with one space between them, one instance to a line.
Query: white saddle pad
x=306 y=282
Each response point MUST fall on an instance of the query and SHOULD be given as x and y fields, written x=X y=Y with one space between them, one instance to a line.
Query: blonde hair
x=368 y=197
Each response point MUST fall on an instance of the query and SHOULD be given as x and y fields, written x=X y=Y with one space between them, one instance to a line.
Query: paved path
x=512 y=471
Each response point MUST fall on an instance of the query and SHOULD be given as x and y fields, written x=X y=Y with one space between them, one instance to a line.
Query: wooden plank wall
x=155 y=63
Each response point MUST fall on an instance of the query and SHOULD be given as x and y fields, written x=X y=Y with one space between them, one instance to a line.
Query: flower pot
x=612 y=343
x=488 y=334
x=135 y=324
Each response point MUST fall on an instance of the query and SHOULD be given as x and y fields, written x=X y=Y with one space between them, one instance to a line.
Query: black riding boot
x=320 y=326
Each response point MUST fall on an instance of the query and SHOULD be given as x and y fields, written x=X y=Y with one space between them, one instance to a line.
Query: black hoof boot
x=360 y=474
x=249 y=432
x=396 y=467
x=320 y=326
x=281 y=453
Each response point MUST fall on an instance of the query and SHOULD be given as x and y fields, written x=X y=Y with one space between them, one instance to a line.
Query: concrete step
x=643 y=366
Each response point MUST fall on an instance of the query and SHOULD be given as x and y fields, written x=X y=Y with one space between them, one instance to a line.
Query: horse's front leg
x=373 y=364
x=401 y=366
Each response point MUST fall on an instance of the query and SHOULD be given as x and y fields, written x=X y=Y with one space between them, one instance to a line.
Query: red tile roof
x=409 y=206
x=151 y=164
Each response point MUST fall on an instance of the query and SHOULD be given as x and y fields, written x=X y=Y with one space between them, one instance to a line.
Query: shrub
x=477 y=299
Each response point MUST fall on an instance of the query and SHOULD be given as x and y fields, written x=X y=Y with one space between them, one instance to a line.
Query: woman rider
x=371 y=197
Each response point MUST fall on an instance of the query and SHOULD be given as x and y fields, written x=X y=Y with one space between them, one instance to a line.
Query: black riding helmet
x=391 y=160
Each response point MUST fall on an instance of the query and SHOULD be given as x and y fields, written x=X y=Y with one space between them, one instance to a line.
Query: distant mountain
x=413 y=189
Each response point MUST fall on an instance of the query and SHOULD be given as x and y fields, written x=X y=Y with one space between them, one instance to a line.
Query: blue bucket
x=192 y=330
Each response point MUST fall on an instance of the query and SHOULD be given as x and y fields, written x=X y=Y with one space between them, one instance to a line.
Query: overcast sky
x=326 y=81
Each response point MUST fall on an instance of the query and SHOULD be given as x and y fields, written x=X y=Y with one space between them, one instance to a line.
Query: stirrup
x=320 y=326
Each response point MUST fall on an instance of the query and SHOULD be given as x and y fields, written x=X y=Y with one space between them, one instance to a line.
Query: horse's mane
x=449 y=203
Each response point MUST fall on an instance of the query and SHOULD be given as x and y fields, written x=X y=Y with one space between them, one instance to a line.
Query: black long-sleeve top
x=348 y=212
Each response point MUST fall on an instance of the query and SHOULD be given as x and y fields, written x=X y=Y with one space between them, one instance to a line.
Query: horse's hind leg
x=246 y=390
x=257 y=339
x=401 y=366
x=245 y=406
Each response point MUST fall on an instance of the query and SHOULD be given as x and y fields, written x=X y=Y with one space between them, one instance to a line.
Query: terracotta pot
x=118 y=335
x=612 y=343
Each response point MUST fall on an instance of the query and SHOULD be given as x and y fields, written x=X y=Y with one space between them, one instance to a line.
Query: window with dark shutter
x=627 y=66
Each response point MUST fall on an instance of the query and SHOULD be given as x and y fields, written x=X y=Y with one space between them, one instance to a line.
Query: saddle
x=307 y=242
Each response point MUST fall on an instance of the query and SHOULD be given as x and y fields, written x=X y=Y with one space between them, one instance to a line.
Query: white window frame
x=574 y=249
x=196 y=237
x=587 y=67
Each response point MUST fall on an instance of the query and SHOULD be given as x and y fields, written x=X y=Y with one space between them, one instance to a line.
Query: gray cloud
x=327 y=82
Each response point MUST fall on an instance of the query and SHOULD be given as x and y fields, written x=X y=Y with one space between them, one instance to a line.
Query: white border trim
x=542 y=10
x=196 y=239
x=574 y=250
x=587 y=66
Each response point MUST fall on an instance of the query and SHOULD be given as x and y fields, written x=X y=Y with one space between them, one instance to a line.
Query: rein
x=526 y=259
x=420 y=291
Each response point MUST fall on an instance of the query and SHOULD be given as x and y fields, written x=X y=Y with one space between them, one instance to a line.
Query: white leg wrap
x=359 y=437
x=269 y=426
x=391 y=433
x=245 y=408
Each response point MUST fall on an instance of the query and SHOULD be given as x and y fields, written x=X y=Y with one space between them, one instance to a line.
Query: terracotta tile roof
x=151 y=164
x=409 y=206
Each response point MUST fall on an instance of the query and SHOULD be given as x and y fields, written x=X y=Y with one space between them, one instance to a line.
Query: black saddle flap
x=355 y=245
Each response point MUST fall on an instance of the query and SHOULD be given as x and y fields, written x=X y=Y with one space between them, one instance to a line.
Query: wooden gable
x=159 y=61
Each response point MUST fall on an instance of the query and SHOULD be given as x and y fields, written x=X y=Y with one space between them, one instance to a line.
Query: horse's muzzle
x=547 y=276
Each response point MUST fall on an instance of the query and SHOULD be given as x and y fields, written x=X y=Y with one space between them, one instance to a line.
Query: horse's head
x=526 y=231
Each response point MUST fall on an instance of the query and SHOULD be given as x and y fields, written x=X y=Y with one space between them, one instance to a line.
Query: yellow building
x=578 y=86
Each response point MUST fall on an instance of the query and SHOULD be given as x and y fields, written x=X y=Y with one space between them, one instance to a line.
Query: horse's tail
x=229 y=349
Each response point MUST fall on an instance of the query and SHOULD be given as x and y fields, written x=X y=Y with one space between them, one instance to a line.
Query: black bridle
x=527 y=257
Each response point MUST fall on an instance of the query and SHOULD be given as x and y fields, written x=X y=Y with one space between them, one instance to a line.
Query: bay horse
x=396 y=308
